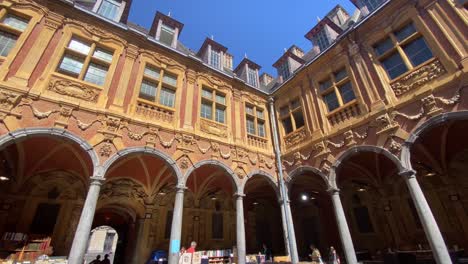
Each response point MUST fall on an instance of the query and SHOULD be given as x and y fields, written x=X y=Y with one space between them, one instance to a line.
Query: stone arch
x=216 y=163
x=142 y=150
x=268 y=177
x=20 y=134
x=354 y=151
x=424 y=127
x=300 y=170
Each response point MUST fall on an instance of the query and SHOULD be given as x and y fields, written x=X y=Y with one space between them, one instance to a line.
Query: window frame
x=290 y=114
x=398 y=47
x=7 y=29
x=256 y=120
x=88 y=59
x=335 y=86
x=214 y=104
x=118 y=17
x=160 y=84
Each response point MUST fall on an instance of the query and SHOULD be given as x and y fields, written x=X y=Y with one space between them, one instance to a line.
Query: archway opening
x=144 y=184
x=209 y=210
x=379 y=210
x=263 y=223
x=440 y=158
x=313 y=215
x=43 y=184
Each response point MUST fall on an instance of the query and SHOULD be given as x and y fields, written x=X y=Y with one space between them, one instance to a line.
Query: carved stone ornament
x=298 y=158
x=8 y=100
x=295 y=138
x=105 y=150
x=349 y=138
x=96 y=31
x=418 y=77
x=184 y=163
x=430 y=105
x=395 y=147
x=73 y=89
x=385 y=123
x=213 y=128
x=123 y=188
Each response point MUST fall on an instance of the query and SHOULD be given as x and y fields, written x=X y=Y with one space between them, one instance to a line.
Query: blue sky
x=261 y=29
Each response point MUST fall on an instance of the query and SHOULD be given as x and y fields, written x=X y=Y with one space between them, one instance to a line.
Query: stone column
x=80 y=241
x=439 y=249
x=292 y=233
x=285 y=228
x=343 y=229
x=240 y=228
x=176 y=228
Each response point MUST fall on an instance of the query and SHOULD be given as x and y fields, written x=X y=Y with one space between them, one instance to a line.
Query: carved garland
x=73 y=89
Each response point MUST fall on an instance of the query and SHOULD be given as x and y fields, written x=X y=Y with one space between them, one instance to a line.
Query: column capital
x=181 y=188
x=239 y=195
x=271 y=100
x=333 y=191
x=409 y=174
x=96 y=180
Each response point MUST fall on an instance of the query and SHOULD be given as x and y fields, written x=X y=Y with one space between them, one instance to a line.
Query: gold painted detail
x=295 y=137
x=418 y=77
x=257 y=142
x=344 y=114
x=154 y=112
x=74 y=89
x=213 y=128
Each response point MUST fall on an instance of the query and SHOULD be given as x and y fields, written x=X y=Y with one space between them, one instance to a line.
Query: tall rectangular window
x=215 y=59
x=255 y=120
x=283 y=70
x=322 y=40
x=337 y=90
x=110 y=9
x=11 y=27
x=86 y=61
x=402 y=51
x=213 y=102
x=158 y=86
x=252 y=77
x=167 y=34
x=291 y=116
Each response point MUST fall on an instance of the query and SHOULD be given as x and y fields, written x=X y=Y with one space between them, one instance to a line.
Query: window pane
x=207 y=94
x=405 y=32
x=299 y=119
x=220 y=114
x=347 y=93
x=167 y=97
x=249 y=110
x=103 y=55
x=295 y=104
x=418 y=51
x=340 y=75
x=284 y=110
x=220 y=99
x=16 y=22
x=109 y=9
x=260 y=114
x=261 y=129
x=7 y=42
x=325 y=85
x=206 y=111
x=251 y=126
x=332 y=101
x=79 y=46
x=71 y=65
x=383 y=46
x=169 y=79
x=96 y=74
x=287 y=125
x=394 y=65
x=152 y=72
x=148 y=90
x=252 y=77
x=215 y=59
x=283 y=70
x=167 y=35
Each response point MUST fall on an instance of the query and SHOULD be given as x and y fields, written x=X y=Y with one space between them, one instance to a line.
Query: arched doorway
x=102 y=245
x=312 y=211
x=263 y=224
x=44 y=182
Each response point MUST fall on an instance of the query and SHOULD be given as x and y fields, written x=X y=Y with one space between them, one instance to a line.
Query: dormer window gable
x=324 y=33
x=213 y=54
x=247 y=70
x=287 y=64
x=367 y=6
x=166 y=30
x=115 y=10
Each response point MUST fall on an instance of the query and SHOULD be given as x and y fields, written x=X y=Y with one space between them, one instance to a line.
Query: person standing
x=315 y=255
x=333 y=257
x=106 y=259
x=267 y=252
x=97 y=260
x=192 y=247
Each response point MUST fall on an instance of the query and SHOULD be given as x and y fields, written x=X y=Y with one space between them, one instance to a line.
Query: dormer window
x=111 y=9
x=215 y=59
x=283 y=70
x=371 y=4
x=252 y=77
x=322 y=40
x=167 y=34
